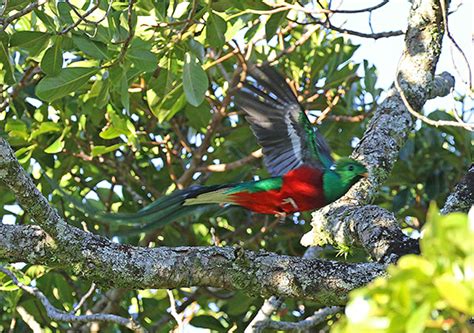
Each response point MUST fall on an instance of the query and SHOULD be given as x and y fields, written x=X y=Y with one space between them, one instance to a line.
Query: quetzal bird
x=304 y=175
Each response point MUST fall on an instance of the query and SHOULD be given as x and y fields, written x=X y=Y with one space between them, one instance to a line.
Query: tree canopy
x=109 y=105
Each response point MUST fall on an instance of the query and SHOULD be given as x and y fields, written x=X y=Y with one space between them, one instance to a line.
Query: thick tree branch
x=462 y=198
x=376 y=229
x=262 y=273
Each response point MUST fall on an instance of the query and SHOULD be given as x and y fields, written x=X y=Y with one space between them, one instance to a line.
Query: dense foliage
x=432 y=292
x=120 y=102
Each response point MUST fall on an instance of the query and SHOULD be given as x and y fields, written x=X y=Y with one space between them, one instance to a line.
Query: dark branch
x=462 y=198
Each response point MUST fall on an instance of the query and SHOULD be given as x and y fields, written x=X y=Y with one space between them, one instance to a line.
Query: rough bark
x=55 y=243
x=256 y=273
x=462 y=197
x=348 y=220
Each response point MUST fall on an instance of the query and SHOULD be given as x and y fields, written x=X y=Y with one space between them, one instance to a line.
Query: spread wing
x=280 y=124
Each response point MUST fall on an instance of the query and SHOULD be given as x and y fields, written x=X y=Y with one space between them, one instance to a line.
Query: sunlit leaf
x=195 y=81
x=66 y=82
x=52 y=61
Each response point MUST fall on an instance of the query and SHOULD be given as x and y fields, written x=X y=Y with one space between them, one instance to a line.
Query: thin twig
x=59 y=315
x=81 y=17
x=331 y=105
x=76 y=11
x=317 y=318
x=453 y=41
x=84 y=298
x=270 y=305
x=131 y=34
x=32 y=6
x=189 y=20
x=354 y=11
x=173 y=311
x=469 y=127
x=350 y=119
x=299 y=42
x=376 y=35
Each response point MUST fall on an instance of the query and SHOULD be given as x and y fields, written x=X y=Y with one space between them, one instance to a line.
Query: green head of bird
x=339 y=179
x=350 y=170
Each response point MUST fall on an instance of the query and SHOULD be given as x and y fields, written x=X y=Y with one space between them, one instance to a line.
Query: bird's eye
x=351 y=168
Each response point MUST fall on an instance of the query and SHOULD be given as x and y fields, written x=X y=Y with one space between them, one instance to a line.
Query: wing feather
x=279 y=123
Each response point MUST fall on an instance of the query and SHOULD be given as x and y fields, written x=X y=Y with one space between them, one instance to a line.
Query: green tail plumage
x=163 y=211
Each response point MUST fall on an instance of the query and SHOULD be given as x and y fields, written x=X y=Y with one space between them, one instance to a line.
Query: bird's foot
x=290 y=201
x=281 y=216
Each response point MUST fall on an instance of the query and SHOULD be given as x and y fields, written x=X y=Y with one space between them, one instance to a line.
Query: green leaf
x=215 y=30
x=117 y=127
x=206 y=321
x=141 y=56
x=52 y=61
x=32 y=41
x=195 y=81
x=110 y=133
x=56 y=147
x=45 y=127
x=46 y=19
x=67 y=81
x=5 y=60
x=104 y=93
x=273 y=23
x=65 y=13
x=100 y=150
x=222 y=5
x=16 y=128
x=15 y=5
x=400 y=200
x=199 y=116
x=417 y=321
x=36 y=271
x=124 y=96
x=455 y=293
x=24 y=154
x=93 y=49
x=239 y=304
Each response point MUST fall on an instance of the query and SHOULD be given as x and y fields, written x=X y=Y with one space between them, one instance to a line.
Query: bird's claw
x=281 y=216
x=290 y=201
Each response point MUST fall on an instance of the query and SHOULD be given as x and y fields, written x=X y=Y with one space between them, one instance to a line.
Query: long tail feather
x=163 y=211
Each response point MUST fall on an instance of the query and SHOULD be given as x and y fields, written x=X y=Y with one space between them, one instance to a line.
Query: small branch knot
x=442 y=85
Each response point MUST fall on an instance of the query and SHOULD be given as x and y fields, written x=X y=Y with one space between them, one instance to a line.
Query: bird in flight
x=304 y=175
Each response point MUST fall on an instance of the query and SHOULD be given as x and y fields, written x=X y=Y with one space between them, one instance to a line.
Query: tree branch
x=59 y=315
x=4 y=22
x=262 y=273
x=259 y=322
x=317 y=318
x=462 y=198
x=374 y=228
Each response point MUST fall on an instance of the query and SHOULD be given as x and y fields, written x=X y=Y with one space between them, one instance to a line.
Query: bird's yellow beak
x=365 y=174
